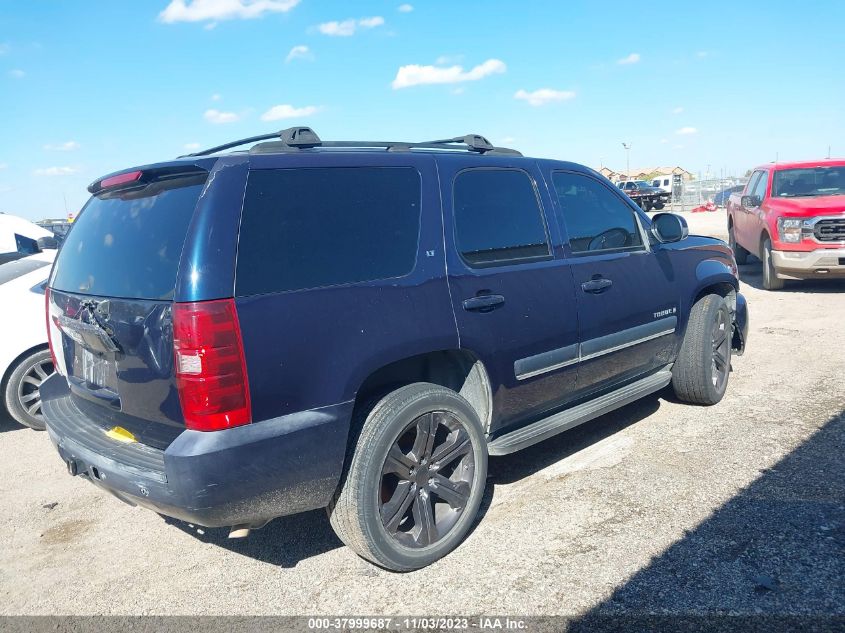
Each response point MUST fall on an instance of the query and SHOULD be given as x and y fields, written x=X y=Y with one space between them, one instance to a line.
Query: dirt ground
x=659 y=507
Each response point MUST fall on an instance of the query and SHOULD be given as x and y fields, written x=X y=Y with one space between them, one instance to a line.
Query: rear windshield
x=128 y=244
x=814 y=181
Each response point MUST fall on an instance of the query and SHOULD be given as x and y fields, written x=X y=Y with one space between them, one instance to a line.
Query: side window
x=498 y=219
x=752 y=182
x=595 y=218
x=760 y=187
x=315 y=227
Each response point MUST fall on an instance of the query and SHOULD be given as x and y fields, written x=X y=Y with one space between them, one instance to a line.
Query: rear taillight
x=49 y=333
x=210 y=368
x=54 y=335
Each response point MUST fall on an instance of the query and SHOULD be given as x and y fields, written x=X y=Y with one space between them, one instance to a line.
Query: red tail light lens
x=210 y=367
x=49 y=333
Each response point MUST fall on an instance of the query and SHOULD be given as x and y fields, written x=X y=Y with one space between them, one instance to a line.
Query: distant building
x=645 y=173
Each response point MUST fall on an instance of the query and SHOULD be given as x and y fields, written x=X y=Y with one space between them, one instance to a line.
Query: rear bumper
x=822 y=262
x=246 y=475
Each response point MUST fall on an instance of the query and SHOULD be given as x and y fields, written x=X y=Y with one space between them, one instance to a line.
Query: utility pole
x=627 y=147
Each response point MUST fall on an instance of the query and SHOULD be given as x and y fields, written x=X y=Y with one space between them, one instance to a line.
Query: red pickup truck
x=791 y=216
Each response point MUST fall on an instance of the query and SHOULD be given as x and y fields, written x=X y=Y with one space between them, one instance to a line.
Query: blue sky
x=90 y=87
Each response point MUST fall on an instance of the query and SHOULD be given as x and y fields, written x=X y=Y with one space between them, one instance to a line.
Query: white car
x=25 y=360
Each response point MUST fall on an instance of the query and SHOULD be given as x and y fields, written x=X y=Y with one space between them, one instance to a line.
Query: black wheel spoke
x=396 y=508
x=398 y=463
x=426 y=430
x=424 y=520
x=720 y=359
x=456 y=494
x=448 y=452
x=719 y=338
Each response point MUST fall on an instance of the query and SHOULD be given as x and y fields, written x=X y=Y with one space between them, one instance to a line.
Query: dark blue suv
x=241 y=335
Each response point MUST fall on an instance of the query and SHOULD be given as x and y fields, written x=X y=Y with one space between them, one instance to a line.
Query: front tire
x=700 y=373
x=414 y=480
x=22 y=394
x=770 y=278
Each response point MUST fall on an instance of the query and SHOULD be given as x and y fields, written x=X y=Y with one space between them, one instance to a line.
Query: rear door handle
x=484 y=303
x=596 y=286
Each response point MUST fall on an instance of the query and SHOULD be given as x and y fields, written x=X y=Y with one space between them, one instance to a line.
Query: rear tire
x=414 y=478
x=740 y=254
x=21 y=393
x=770 y=278
x=700 y=373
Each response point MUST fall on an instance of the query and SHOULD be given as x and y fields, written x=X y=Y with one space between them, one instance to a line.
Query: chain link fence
x=688 y=194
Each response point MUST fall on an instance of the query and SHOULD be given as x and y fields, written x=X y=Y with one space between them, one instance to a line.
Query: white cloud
x=3 y=165
x=299 y=52
x=67 y=146
x=216 y=97
x=369 y=23
x=702 y=54
x=192 y=146
x=405 y=8
x=677 y=110
x=211 y=10
x=287 y=111
x=663 y=141
x=543 y=96
x=217 y=117
x=633 y=58
x=17 y=73
x=56 y=171
x=445 y=60
x=345 y=28
x=685 y=131
x=415 y=75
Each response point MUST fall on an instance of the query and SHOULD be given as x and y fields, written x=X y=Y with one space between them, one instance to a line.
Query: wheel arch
x=456 y=369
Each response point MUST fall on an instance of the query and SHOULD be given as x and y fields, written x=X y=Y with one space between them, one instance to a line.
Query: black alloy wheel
x=426 y=479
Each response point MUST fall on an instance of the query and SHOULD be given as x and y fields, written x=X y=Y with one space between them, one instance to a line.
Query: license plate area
x=95 y=372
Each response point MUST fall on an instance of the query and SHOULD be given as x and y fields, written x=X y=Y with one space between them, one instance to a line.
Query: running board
x=565 y=420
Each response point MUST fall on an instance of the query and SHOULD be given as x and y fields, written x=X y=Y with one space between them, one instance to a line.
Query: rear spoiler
x=141 y=176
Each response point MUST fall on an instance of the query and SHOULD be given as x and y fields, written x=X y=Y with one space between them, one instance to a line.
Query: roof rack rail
x=296 y=137
x=300 y=137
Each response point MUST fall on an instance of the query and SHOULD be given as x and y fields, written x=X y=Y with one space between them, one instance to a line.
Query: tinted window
x=128 y=244
x=595 y=218
x=307 y=228
x=13 y=270
x=811 y=181
x=498 y=217
x=760 y=187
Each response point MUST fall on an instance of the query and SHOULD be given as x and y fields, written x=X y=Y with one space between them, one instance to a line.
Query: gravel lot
x=657 y=508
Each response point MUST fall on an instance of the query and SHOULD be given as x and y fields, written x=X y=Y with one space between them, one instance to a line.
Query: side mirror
x=668 y=227
x=751 y=201
x=48 y=243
